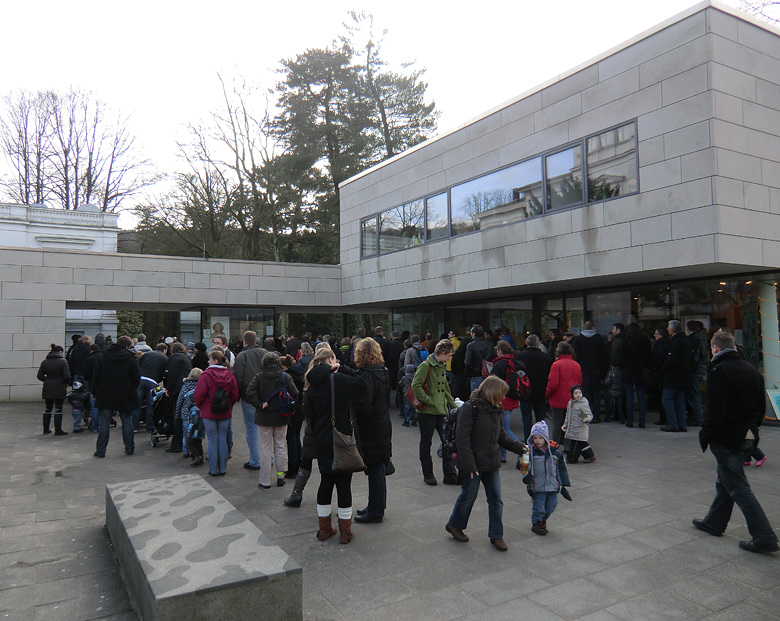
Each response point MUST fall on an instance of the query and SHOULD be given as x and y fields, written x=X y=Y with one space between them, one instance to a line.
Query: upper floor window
x=612 y=163
x=436 y=217
x=564 y=178
x=401 y=227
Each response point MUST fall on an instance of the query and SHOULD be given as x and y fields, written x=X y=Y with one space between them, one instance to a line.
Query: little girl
x=576 y=428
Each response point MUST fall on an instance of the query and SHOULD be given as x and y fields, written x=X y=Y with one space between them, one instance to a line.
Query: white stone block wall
x=705 y=91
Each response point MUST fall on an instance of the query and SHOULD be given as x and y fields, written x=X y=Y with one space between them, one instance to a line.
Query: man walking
x=735 y=409
x=247 y=366
x=114 y=388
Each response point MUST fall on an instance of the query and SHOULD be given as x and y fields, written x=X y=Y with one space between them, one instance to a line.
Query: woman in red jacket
x=564 y=373
x=216 y=376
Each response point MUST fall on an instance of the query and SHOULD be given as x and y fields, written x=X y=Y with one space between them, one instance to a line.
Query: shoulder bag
x=346 y=457
x=412 y=398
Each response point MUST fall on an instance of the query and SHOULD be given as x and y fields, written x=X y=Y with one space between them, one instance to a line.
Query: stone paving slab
x=624 y=549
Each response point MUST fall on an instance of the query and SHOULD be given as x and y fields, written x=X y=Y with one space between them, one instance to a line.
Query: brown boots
x=326 y=529
x=345 y=530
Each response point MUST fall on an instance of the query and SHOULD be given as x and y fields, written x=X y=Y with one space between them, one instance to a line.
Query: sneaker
x=457 y=533
x=499 y=544
x=760 y=462
x=261 y=485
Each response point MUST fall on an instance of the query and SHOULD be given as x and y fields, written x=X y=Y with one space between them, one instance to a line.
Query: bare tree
x=64 y=147
x=766 y=10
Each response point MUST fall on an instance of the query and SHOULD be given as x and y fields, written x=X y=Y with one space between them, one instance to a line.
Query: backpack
x=220 y=402
x=449 y=431
x=487 y=368
x=423 y=354
x=286 y=401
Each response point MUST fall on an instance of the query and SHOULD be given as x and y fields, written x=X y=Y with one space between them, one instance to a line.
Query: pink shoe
x=747 y=463
x=760 y=462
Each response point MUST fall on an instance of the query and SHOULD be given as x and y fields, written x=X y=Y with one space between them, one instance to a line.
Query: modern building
x=643 y=185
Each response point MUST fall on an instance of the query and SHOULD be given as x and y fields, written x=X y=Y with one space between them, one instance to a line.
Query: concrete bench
x=187 y=553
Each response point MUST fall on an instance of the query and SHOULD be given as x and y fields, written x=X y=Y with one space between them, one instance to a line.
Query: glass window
x=564 y=178
x=231 y=323
x=436 y=220
x=368 y=239
x=401 y=227
x=510 y=194
x=612 y=163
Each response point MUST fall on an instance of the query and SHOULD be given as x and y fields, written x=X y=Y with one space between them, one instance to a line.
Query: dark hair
x=575 y=387
x=634 y=333
x=55 y=347
x=217 y=356
x=724 y=340
x=415 y=338
x=94 y=347
x=178 y=347
x=250 y=337
x=200 y=346
x=564 y=348
x=620 y=327
x=124 y=341
x=478 y=330
x=286 y=361
x=161 y=347
x=504 y=348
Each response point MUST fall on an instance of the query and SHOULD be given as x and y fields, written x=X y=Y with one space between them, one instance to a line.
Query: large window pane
x=564 y=178
x=401 y=227
x=368 y=240
x=436 y=217
x=612 y=163
x=513 y=193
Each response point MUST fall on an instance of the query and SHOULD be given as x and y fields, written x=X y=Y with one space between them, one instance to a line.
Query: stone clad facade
x=704 y=91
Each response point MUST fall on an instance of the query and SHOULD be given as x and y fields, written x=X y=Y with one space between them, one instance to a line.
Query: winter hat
x=190 y=346
x=573 y=388
x=539 y=429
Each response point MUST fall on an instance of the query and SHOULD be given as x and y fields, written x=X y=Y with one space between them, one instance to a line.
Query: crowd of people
x=297 y=394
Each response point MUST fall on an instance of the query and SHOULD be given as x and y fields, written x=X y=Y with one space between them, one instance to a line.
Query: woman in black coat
x=177 y=369
x=637 y=354
x=375 y=432
x=479 y=432
x=318 y=398
x=55 y=375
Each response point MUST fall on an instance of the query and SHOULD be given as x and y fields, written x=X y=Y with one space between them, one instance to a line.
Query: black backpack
x=449 y=431
x=220 y=402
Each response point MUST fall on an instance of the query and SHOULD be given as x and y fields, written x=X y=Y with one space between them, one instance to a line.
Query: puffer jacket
x=372 y=413
x=479 y=432
x=565 y=372
x=547 y=470
x=216 y=376
x=578 y=415
x=319 y=408
x=55 y=375
x=268 y=381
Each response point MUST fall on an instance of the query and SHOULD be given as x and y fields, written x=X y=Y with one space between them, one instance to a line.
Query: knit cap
x=539 y=429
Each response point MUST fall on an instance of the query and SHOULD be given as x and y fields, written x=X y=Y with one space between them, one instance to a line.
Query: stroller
x=162 y=416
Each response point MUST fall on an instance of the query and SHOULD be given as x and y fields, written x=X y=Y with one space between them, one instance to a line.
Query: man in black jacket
x=675 y=378
x=478 y=350
x=152 y=368
x=114 y=383
x=394 y=348
x=736 y=404
x=589 y=347
x=537 y=367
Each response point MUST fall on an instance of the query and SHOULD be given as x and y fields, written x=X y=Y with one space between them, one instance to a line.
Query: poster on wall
x=220 y=327
x=774 y=400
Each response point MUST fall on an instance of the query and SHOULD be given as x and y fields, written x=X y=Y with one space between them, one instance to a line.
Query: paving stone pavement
x=623 y=549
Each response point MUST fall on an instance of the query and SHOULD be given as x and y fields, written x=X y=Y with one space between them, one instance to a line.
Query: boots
x=297 y=492
x=58 y=425
x=345 y=530
x=326 y=529
x=46 y=422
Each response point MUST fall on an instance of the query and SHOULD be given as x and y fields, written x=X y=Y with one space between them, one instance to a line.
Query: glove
x=565 y=493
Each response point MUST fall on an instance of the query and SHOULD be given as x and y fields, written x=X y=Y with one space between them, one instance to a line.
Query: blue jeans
x=531 y=410
x=732 y=487
x=216 y=433
x=77 y=414
x=474 y=382
x=640 y=397
x=544 y=505
x=468 y=494
x=409 y=412
x=105 y=429
x=674 y=406
x=145 y=393
x=505 y=420
x=693 y=400
x=252 y=437
x=377 y=490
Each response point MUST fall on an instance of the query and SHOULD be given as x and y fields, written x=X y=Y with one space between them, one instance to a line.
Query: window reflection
x=436 y=217
x=612 y=166
x=510 y=194
x=564 y=178
x=401 y=227
x=368 y=242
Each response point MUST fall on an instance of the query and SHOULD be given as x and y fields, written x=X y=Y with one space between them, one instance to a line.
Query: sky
x=158 y=61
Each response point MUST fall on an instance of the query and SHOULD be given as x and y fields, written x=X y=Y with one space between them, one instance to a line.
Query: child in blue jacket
x=546 y=476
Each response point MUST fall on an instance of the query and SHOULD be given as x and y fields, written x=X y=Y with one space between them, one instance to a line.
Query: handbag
x=346 y=457
x=412 y=398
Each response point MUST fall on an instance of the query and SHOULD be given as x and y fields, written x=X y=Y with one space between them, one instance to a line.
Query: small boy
x=409 y=412
x=546 y=475
x=577 y=429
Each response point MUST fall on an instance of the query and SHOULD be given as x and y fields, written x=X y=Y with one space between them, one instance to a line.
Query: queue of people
x=322 y=389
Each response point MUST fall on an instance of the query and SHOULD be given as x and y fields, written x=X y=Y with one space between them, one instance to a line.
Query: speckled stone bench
x=186 y=553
